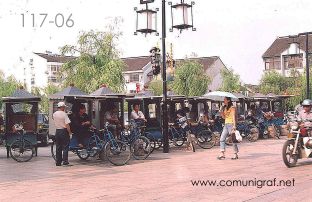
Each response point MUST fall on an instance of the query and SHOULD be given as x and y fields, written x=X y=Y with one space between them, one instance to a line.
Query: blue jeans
x=227 y=129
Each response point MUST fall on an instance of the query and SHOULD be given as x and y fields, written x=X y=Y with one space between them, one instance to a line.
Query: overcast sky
x=238 y=31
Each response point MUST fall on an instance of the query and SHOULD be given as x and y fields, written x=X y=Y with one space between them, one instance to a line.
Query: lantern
x=183 y=13
x=146 y=22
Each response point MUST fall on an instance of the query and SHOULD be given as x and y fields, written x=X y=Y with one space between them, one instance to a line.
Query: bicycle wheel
x=178 y=138
x=117 y=152
x=21 y=150
x=205 y=139
x=53 y=150
x=141 y=148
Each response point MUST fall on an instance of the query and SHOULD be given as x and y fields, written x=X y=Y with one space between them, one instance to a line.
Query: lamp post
x=184 y=24
x=306 y=34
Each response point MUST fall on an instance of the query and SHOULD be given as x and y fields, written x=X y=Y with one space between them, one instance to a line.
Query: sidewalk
x=162 y=177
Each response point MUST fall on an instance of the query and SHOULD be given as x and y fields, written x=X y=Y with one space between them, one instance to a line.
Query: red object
x=278 y=114
x=303 y=132
x=137 y=87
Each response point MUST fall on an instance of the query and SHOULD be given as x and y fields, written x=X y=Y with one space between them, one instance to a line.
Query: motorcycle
x=298 y=145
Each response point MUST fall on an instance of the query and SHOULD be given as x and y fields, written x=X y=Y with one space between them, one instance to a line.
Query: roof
x=205 y=61
x=282 y=43
x=102 y=91
x=136 y=63
x=21 y=95
x=56 y=57
x=69 y=91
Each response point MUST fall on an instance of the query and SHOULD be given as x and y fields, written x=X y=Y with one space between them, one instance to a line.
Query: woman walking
x=228 y=112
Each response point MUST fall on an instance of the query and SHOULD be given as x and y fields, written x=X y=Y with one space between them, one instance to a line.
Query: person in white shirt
x=136 y=114
x=62 y=134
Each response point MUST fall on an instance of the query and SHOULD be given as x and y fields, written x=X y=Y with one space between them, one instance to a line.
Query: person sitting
x=137 y=115
x=81 y=124
x=111 y=116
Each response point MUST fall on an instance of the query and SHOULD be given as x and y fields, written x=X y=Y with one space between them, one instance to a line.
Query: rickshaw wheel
x=83 y=154
x=206 y=139
x=21 y=150
x=117 y=152
x=141 y=148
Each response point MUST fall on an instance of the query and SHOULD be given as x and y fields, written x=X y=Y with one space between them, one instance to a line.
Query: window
x=22 y=108
x=134 y=77
x=52 y=79
x=54 y=68
x=293 y=61
x=32 y=81
x=152 y=110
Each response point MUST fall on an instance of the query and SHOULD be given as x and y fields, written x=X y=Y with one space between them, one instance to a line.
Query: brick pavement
x=162 y=177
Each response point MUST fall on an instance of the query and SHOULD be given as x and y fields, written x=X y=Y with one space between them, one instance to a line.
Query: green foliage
x=230 y=81
x=190 y=79
x=156 y=87
x=98 y=62
x=43 y=93
x=273 y=82
x=7 y=86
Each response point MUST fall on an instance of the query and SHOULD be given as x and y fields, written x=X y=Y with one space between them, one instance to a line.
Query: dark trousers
x=62 y=145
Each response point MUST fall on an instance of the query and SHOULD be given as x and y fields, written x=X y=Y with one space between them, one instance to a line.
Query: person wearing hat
x=305 y=114
x=62 y=134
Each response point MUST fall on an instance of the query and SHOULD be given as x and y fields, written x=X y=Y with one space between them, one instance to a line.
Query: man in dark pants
x=62 y=134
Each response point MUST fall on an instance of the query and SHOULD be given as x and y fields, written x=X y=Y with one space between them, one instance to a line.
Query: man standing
x=62 y=134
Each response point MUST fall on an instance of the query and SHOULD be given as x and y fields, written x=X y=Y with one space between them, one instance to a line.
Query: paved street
x=163 y=177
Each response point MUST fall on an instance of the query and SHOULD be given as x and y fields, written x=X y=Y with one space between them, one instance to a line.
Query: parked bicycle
x=140 y=146
x=21 y=150
x=101 y=143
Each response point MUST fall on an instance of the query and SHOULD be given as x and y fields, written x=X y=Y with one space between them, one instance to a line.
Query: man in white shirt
x=305 y=115
x=62 y=134
x=136 y=114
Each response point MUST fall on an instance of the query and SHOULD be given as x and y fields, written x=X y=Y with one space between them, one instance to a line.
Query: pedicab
x=150 y=105
x=100 y=141
x=20 y=131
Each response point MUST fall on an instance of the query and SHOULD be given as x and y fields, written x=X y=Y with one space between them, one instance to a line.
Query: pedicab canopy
x=21 y=106
x=67 y=94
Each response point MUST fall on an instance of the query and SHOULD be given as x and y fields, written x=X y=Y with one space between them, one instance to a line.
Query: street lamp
x=182 y=24
x=146 y=26
x=184 y=12
x=306 y=34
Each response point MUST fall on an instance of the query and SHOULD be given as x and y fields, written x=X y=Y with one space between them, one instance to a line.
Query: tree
x=273 y=82
x=7 y=86
x=230 y=81
x=98 y=62
x=190 y=79
x=44 y=93
x=156 y=87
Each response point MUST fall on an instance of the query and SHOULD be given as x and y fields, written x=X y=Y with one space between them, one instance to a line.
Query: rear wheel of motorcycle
x=289 y=158
x=254 y=135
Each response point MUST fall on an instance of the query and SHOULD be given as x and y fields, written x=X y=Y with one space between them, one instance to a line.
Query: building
x=44 y=68
x=138 y=72
x=286 y=54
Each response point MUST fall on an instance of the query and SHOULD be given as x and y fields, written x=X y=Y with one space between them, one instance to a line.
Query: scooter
x=298 y=145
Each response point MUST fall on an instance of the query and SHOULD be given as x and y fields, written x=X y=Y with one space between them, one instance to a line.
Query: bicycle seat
x=171 y=124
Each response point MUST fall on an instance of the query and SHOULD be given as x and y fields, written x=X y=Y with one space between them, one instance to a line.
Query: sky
x=239 y=31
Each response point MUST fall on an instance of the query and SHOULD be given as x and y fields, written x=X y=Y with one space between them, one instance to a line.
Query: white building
x=286 y=54
x=43 y=68
x=138 y=71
